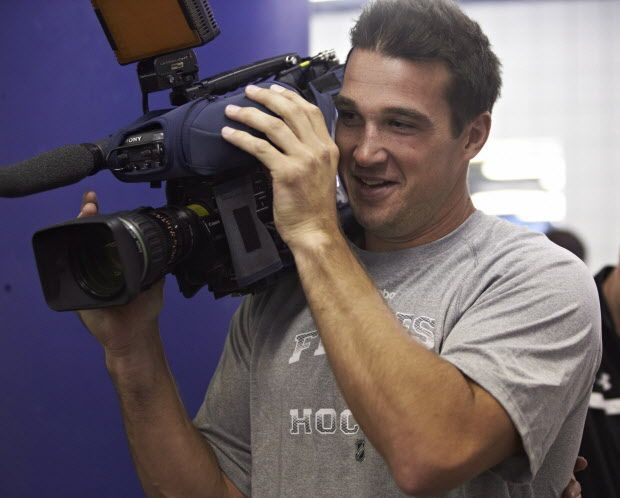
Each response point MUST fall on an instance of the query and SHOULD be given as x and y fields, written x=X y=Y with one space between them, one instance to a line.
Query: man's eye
x=346 y=116
x=400 y=124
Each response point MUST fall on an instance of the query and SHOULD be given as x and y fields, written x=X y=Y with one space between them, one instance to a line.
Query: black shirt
x=601 y=437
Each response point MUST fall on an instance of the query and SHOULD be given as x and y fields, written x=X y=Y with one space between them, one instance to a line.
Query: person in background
x=600 y=444
x=569 y=241
x=601 y=436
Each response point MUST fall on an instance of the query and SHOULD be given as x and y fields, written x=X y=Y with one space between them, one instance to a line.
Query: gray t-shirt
x=515 y=313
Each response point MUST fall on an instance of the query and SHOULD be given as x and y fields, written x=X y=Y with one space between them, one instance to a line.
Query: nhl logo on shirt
x=360 y=450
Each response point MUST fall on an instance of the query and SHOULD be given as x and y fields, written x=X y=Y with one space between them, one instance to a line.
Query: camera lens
x=106 y=260
x=96 y=263
x=161 y=237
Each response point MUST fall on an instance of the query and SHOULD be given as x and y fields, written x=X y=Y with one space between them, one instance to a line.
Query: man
x=601 y=436
x=443 y=353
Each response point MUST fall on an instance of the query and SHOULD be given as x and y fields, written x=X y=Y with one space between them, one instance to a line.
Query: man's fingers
x=89 y=205
x=276 y=130
x=573 y=490
x=88 y=197
x=314 y=114
x=296 y=111
x=580 y=464
x=87 y=210
x=259 y=148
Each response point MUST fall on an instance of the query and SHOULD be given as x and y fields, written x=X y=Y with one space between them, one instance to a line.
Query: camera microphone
x=59 y=167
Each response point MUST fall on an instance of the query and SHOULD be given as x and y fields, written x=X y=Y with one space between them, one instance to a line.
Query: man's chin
x=373 y=224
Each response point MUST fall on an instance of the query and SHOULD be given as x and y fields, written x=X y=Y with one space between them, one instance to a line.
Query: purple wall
x=60 y=427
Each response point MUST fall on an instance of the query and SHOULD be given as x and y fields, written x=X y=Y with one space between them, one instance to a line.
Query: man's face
x=403 y=169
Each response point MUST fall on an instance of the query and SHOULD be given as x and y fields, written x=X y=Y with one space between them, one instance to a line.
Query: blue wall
x=60 y=429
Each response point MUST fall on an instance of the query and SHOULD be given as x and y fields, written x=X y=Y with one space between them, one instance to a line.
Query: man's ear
x=477 y=132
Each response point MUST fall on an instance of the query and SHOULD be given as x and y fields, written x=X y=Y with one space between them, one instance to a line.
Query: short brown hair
x=429 y=30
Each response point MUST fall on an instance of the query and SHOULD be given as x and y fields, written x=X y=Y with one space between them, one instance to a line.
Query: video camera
x=217 y=227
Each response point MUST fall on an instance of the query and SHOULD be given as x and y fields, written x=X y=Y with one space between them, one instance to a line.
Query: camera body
x=217 y=227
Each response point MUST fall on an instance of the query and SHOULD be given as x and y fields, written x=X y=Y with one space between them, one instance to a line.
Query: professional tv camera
x=217 y=226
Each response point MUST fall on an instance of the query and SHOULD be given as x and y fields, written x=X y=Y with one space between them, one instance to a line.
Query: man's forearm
x=413 y=406
x=172 y=458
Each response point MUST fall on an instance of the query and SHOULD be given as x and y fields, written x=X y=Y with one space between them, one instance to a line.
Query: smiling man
x=441 y=352
x=404 y=168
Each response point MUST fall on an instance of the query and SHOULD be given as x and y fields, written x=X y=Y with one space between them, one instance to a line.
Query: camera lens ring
x=135 y=235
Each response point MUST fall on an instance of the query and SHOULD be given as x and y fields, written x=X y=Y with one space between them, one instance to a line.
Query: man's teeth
x=373 y=183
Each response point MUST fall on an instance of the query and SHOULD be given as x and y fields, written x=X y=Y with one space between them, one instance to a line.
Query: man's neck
x=611 y=293
x=446 y=222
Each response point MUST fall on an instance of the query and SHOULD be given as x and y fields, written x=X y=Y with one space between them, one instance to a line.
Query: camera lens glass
x=96 y=263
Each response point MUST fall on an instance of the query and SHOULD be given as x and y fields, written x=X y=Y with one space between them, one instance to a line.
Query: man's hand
x=573 y=490
x=171 y=457
x=301 y=157
x=119 y=328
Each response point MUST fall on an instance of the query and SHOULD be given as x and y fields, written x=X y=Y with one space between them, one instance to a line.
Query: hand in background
x=573 y=490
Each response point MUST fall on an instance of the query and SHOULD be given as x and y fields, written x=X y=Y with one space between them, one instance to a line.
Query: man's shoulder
x=498 y=243
x=286 y=288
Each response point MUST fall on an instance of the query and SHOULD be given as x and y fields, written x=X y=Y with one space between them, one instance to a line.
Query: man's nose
x=369 y=150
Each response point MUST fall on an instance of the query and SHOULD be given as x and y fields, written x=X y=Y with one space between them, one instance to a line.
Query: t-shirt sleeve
x=224 y=416
x=532 y=340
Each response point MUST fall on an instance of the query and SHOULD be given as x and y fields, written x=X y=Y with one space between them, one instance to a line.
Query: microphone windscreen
x=62 y=166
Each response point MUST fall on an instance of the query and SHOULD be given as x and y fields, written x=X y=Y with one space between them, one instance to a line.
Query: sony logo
x=134 y=139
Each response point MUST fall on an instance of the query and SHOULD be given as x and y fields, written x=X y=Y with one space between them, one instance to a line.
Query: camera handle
x=179 y=71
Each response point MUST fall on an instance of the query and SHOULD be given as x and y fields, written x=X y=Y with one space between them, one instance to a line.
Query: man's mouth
x=373 y=182
x=373 y=189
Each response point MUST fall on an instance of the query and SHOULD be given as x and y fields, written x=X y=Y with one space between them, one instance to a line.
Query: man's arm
x=434 y=427
x=172 y=458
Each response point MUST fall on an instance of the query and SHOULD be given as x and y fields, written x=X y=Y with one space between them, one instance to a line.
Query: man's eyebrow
x=420 y=118
x=340 y=101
